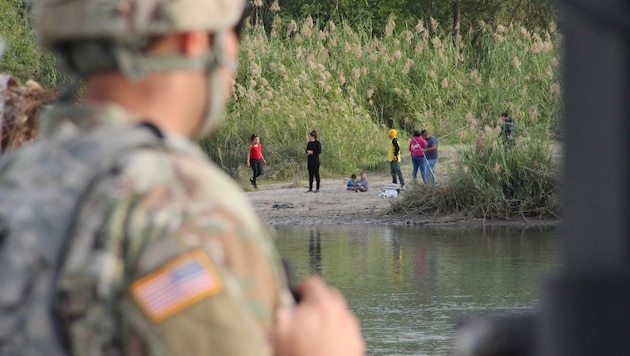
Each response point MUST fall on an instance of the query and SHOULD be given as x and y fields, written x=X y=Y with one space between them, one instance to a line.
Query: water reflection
x=410 y=286
x=315 y=252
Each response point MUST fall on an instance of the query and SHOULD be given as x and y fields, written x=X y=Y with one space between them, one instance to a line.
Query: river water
x=409 y=287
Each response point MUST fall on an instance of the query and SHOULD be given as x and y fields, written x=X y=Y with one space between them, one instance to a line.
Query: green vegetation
x=351 y=83
x=492 y=181
x=23 y=59
x=351 y=87
x=462 y=16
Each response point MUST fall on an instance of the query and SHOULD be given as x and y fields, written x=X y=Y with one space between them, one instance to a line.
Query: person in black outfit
x=507 y=130
x=313 y=149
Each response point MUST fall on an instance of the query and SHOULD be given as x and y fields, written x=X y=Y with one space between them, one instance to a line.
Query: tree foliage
x=533 y=14
x=377 y=68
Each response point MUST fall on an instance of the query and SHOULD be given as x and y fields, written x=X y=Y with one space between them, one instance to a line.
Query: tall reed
x=351 y=87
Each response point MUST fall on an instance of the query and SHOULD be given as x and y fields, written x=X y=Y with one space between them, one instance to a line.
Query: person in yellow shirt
x=393 y=157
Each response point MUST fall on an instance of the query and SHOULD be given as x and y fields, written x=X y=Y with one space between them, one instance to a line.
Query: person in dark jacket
x=431 y=154
x=313 y=149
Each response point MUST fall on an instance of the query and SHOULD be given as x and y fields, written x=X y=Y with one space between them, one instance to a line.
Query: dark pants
x=313 y=172
x=394 y=168
x=257 y=169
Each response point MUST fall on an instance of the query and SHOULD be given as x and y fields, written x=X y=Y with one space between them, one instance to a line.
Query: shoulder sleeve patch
x=177 y=285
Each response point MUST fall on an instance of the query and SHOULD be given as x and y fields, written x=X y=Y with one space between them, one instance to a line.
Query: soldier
x=118 y=234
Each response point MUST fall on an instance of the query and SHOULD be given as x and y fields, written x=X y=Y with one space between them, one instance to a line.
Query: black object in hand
x=288 y=272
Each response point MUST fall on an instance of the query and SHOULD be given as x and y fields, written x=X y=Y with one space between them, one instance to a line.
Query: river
x=409 y=287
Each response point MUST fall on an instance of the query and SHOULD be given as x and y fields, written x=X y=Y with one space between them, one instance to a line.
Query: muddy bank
x=289 y=204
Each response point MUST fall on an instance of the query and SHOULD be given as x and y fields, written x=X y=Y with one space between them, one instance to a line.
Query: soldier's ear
x=193 y=43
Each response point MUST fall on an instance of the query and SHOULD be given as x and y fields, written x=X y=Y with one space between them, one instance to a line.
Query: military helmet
x=99 y=35
x=61 y=21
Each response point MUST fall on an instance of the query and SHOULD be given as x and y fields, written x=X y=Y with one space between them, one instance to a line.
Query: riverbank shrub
x=493 y=181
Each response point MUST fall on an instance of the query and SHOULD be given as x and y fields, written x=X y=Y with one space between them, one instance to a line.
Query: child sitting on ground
x=362 y=184
x=351 y=185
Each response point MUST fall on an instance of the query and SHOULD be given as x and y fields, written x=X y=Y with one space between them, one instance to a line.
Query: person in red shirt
x=255 y=159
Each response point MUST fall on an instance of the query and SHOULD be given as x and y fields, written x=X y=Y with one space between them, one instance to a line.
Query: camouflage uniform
x=165 y=255
x=156 y=215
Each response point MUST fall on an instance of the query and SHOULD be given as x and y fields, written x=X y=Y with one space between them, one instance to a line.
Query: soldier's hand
x=320 y=325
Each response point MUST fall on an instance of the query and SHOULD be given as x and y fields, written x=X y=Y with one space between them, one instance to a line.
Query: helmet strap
x=215 y=105
x=135 y=65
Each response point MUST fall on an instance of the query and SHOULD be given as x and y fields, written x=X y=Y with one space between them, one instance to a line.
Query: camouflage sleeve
x=203 y=286
x=187 y=268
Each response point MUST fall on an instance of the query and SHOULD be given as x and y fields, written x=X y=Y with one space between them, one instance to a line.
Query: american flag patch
x=179 y=284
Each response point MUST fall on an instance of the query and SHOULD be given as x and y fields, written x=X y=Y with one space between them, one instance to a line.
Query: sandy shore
x=287 y=203
x=283 y=204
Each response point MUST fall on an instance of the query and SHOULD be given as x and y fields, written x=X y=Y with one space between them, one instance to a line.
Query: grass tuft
x=492 y=183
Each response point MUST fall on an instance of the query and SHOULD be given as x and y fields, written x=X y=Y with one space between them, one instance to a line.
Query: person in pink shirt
x=416 y=147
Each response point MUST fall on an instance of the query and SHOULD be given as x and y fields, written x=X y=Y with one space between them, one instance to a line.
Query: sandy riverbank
x=288 y=204
x=284 y=204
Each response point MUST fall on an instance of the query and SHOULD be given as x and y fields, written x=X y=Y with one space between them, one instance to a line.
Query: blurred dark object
x=585 y=307
x=513 y=335
x=288 y=271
